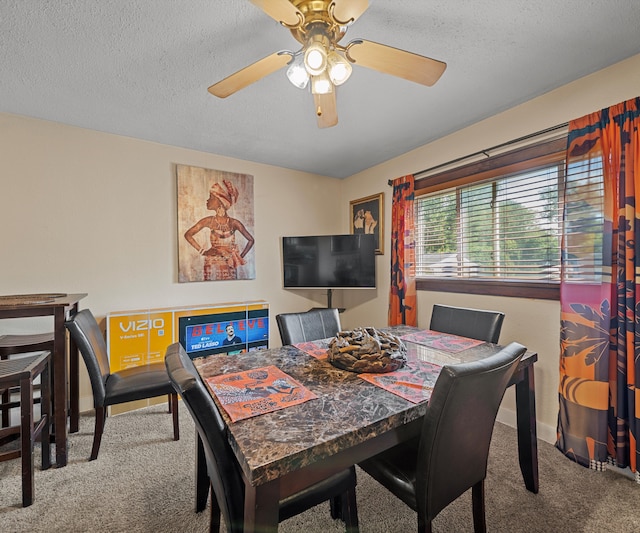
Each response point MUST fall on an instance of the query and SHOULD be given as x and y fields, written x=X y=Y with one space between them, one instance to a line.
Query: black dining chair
x=225 y=476
x=450 y=455
x=480 y=324
x=308 y=326
x=128 y=385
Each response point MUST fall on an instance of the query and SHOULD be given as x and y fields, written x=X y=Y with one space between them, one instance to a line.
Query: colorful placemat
x=257 y=391
x=414 y=382
x=318 y=349
x=441 y=341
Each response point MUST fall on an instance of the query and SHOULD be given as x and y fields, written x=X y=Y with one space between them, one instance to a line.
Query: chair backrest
x=86 y=333
x=457 y=429
x=477 y=324
x=222 y=466
x=309 y=326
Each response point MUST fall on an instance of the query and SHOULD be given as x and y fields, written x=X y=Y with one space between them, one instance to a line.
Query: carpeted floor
x=143 y=481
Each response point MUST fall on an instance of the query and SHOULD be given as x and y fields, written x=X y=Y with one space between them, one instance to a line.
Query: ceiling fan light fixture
x=297 y=73
x=322 y=63
x=321 y=84
x=338 y=67
x=315 y=58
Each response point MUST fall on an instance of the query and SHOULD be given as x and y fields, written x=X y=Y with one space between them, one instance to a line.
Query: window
x=493 y=227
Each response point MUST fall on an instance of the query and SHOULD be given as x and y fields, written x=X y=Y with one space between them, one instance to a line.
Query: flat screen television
x=329 y=262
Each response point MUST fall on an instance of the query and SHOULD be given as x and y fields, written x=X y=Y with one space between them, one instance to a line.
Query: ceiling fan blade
x=383 y=58
x=281 y=10
x=347 y=11
x=326 y=109
x=248 y=75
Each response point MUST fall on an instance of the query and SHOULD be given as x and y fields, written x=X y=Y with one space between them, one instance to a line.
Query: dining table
x=348 y=418
x=65 y=374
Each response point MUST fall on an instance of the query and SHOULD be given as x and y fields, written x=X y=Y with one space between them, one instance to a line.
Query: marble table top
x=348 y=410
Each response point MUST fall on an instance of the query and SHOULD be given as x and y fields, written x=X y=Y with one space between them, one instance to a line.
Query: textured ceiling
x=141 y=68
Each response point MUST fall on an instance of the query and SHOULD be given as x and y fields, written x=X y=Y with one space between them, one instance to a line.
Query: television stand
x=329 y=298
x=329 y=304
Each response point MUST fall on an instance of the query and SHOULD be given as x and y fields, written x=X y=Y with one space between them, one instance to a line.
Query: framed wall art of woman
x=215 y=225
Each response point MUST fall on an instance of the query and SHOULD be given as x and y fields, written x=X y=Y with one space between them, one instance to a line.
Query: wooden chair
x=128 y=385
x=20 y=373
x=19 y=344
x=225 y=476
x=311 y=325
x=477 y=324
x=450 y=455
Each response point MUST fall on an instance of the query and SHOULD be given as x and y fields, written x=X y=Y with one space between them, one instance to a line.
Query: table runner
x=318 y=349
x=257 y=391
x=413 y=382
x=441 y=341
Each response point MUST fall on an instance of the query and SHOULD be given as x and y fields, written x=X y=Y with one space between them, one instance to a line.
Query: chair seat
x=396 y=469
x=35 y=342
x=137 y=383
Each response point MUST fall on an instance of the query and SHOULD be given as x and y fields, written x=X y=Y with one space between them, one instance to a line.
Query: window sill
x=541 y=290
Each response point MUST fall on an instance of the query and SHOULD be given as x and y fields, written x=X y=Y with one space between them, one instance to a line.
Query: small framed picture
x=367 y=216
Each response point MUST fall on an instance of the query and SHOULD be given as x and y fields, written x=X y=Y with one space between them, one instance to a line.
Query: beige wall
x=83 y=211
x=534 y=323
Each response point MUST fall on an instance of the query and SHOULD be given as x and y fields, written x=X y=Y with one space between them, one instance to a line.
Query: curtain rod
x=484 y=152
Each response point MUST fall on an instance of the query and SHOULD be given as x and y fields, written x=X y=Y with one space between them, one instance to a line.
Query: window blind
x=507 y=227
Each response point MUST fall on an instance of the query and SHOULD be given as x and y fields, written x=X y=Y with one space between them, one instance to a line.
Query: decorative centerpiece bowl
x=367 y=350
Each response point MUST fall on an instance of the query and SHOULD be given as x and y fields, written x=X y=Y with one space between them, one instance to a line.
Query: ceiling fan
x=322 y=62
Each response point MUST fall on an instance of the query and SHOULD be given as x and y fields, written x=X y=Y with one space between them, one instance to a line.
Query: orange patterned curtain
x=599 y=418
x=402 y=298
